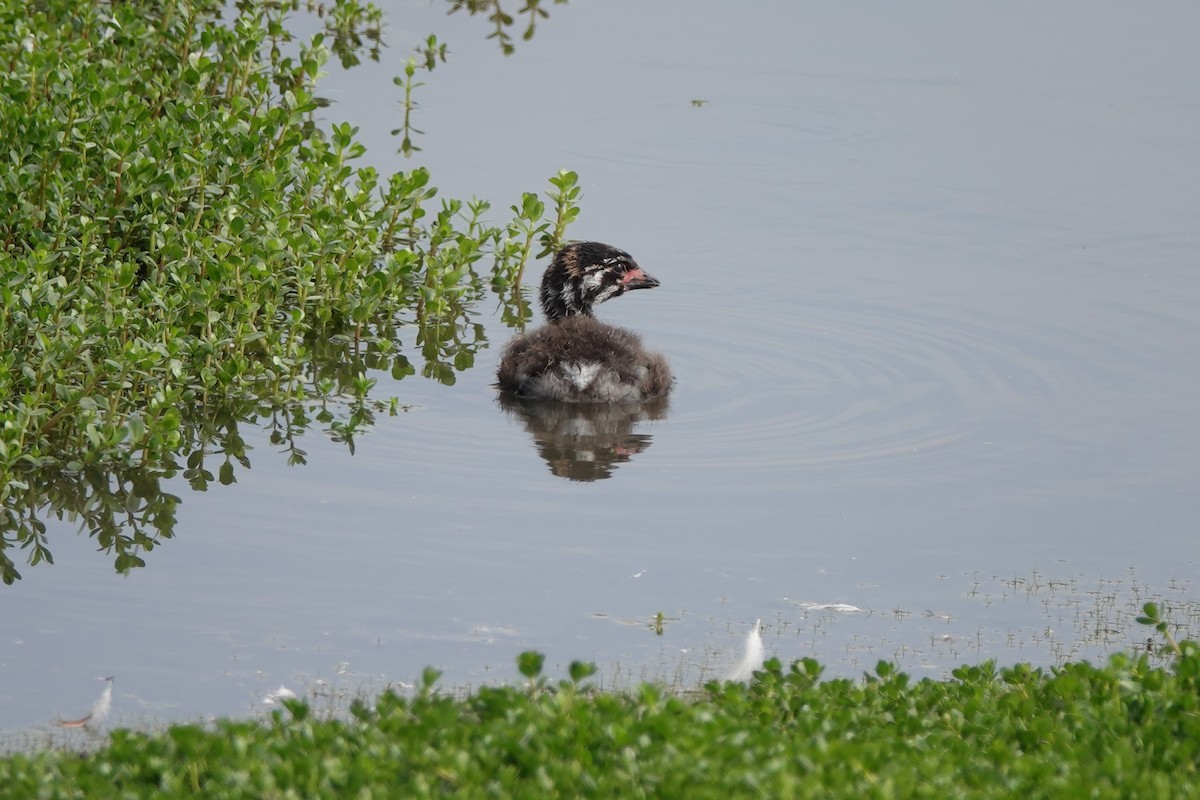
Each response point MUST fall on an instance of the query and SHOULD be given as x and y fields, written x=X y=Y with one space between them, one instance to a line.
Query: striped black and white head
x=586 y=273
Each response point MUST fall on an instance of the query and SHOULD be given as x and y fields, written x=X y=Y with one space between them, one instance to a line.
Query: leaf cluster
x=1126 y=729
x=181 y=237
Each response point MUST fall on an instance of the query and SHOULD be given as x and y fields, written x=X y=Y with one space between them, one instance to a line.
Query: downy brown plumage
x=574 y=357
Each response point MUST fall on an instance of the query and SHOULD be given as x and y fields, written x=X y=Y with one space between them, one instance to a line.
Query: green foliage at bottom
x=1127 y=729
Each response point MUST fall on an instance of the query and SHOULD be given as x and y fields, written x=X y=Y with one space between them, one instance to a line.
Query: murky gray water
x=929 y=290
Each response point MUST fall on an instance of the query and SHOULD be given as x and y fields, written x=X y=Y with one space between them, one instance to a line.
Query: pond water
x=929 y=289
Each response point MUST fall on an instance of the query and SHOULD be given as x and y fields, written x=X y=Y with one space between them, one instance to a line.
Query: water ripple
x=854 y=385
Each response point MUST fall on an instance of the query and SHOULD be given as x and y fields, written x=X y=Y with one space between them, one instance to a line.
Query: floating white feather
x=103 y=705
x=752 y=656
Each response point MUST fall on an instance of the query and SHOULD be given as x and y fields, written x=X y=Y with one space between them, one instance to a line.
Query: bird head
x=584 y=274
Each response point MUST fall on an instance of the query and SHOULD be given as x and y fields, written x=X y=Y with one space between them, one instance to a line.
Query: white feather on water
x=845 y=608
x=103 y=705
x=752 y=656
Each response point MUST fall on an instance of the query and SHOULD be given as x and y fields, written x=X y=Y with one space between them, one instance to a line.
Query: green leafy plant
x=1152 y=617
x=1124 y=729
x=185 y=248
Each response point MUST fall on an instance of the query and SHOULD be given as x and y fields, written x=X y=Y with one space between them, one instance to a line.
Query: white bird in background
x=752 y=656
x=282 y=693
x=99 y=711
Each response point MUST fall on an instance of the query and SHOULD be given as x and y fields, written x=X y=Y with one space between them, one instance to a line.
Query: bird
x=278 y=696
x=99 y=712
x=574 y=357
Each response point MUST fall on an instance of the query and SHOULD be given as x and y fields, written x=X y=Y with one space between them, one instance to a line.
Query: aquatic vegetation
x=184 y=248
x=1125 y=729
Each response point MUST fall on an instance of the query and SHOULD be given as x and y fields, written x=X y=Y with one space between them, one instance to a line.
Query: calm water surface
x=929 y=289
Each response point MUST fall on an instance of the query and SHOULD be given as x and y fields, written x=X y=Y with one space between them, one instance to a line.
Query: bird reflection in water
x=585 y=442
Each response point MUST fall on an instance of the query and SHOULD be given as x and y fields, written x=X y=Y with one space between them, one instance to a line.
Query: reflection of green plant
x=349 y=25
x=407 y=82
x=502 y=20
x=431 y=52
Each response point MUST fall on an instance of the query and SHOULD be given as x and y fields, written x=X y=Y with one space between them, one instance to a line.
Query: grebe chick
x=574 y=357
